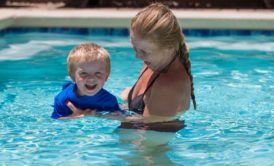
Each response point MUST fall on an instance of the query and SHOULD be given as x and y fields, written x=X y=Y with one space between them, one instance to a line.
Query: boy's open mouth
x=91 y=87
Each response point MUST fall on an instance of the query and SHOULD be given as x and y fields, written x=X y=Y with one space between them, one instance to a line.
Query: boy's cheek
x=79 y=78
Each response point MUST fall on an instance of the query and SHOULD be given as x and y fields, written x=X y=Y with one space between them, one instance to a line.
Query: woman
x=165 y=86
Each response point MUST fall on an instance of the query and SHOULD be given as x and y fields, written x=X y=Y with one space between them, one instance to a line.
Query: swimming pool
x=233 y=125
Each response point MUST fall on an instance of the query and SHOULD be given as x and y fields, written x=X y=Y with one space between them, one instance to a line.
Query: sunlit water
x=233 y=125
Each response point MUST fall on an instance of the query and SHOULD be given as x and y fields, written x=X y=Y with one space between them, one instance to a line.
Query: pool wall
x=120 y=18
x=94 y=31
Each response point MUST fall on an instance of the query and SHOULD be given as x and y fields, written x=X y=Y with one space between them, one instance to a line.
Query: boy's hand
x=79 y=112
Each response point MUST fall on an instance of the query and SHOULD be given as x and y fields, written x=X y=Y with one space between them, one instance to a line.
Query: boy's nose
x=90 y=78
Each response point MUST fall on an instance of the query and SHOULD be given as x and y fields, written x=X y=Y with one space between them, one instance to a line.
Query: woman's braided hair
x=184 y=55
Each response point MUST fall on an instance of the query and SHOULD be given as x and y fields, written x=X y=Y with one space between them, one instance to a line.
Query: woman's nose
x=138 y=55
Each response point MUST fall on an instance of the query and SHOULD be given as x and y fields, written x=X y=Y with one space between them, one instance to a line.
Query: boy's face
x=90 y=77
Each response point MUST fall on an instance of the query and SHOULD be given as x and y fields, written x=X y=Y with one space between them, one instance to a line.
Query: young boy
x=89 y=68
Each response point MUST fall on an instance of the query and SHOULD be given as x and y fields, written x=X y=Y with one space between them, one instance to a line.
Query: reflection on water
x=150 y=147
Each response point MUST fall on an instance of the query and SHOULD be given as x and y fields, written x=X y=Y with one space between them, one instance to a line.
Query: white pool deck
x=188 y=18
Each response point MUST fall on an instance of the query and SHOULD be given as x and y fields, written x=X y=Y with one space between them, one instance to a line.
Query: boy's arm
x=60 y=109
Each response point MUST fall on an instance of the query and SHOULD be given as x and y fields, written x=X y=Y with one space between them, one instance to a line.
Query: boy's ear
x=106 y=77
x=72 y=76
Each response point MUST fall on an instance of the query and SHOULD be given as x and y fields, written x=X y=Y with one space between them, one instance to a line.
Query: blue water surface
x=233 y=124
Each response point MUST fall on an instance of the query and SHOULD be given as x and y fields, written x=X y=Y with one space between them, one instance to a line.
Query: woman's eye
x=144 y=53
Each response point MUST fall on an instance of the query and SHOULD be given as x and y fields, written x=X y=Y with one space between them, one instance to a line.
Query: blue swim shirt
x=102 y=101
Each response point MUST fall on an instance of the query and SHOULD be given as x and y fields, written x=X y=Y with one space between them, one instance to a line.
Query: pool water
x=233 y=125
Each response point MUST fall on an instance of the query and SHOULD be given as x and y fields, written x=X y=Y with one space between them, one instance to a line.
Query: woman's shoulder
x=175 y=84
x=174 y=79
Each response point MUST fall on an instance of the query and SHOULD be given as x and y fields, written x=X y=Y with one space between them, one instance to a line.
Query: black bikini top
x=137 y=104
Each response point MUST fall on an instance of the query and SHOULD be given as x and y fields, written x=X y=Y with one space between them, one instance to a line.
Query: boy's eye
x=98 y=74
x=83 y=74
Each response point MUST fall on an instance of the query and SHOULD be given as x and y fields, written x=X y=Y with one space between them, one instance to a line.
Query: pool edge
x=120 y=18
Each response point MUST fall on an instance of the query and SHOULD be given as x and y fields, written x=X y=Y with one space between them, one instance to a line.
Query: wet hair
x=158 y=24
x=87 y=52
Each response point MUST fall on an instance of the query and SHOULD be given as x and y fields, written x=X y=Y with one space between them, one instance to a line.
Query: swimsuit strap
x=169 y=64
x=142 y=73
x=151 y=83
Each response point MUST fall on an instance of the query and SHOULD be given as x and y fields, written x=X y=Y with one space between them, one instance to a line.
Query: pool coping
x=120 y=18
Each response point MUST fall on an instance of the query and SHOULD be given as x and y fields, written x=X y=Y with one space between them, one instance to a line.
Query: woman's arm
x=169 y=96
x=116 y=116
x=124 y=94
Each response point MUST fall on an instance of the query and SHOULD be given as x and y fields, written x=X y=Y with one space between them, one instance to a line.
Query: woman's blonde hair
x=158 y=24
x=87 y=52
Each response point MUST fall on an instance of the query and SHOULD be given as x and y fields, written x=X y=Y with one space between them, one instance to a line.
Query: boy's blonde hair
x=86 y=52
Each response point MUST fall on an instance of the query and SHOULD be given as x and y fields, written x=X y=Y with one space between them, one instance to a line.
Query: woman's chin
x=154 y=68
x=150 y=66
